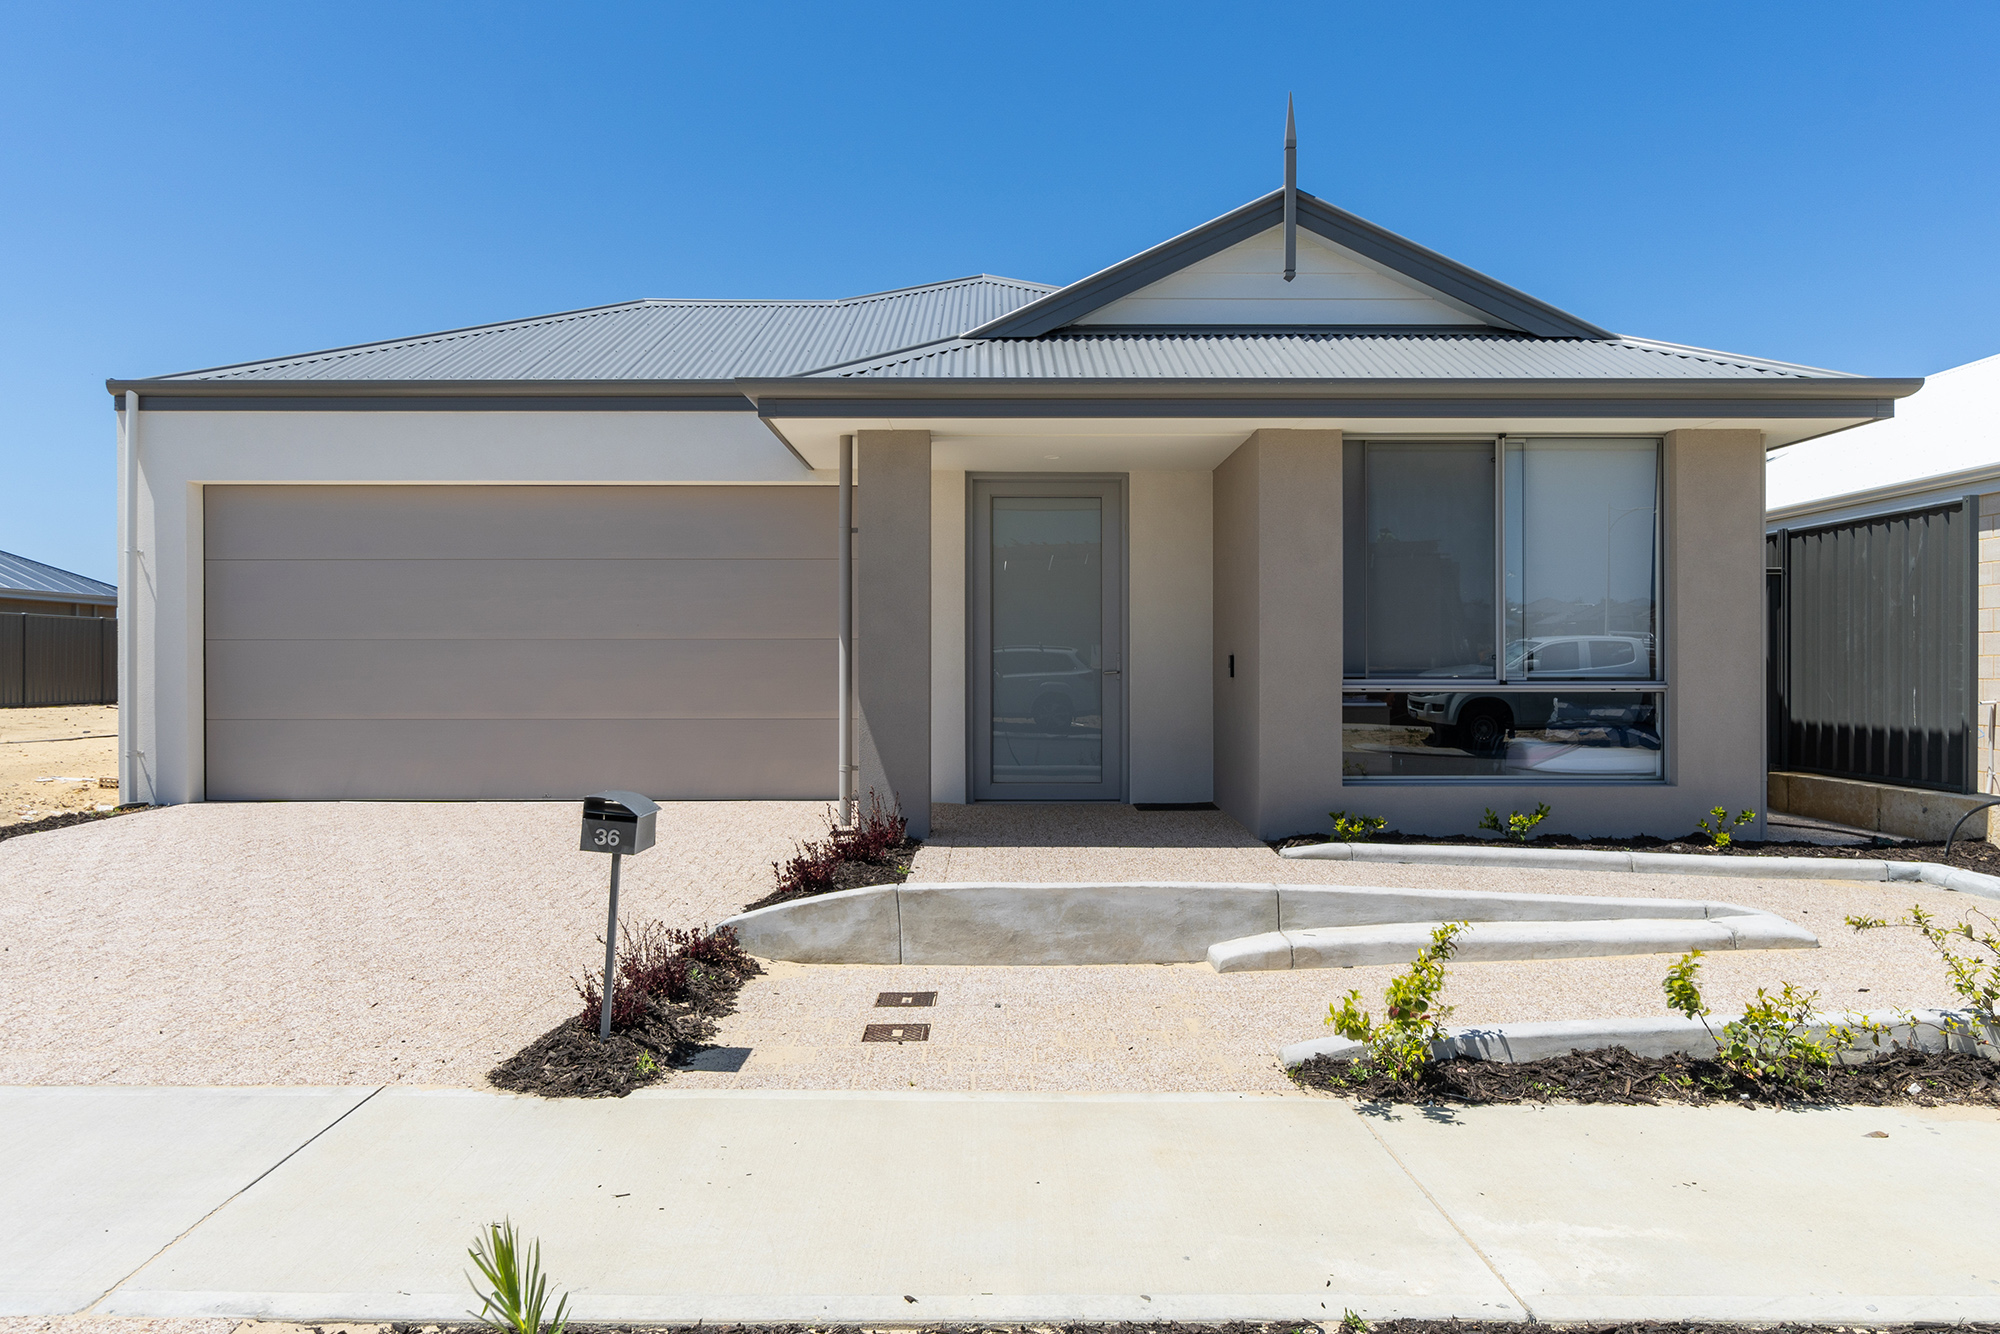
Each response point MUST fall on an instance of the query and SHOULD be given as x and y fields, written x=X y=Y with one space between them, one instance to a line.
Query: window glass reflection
x=1582 y=558
x=1488 y=734
x=1420 y=558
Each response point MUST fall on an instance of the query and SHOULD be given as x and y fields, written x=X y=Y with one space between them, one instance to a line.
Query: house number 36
x=606 y=838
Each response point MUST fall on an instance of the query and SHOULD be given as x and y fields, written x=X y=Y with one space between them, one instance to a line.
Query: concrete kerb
x=1235 y=927
x=1670 y=1035
x=1657 y=863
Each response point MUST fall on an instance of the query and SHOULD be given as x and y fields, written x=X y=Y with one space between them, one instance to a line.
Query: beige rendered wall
x=948 y=635
x=1169 y=672
x=1277 y=609
x=892 y=641
x=1714 y=640
x=1987 y=718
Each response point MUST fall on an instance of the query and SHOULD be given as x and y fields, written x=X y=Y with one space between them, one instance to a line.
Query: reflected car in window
x=1051 y=684
x=1479 y=722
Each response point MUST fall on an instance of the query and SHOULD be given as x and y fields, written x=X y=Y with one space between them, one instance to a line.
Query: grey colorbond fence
x=57 y=659
x=1872 y=671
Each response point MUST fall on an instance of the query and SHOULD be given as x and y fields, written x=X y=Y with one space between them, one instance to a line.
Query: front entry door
x=1047 y=640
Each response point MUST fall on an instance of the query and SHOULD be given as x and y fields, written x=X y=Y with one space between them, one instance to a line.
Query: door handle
x=1111 y=671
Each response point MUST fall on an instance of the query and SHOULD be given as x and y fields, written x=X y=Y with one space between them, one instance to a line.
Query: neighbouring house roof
x=1206 y=307
x=1944 y=439
x=21 y=577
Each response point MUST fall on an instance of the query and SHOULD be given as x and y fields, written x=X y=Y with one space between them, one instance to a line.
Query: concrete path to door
x=679 y=1205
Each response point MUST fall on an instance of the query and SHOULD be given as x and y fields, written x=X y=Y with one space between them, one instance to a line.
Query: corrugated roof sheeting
x=18 y=574
x=1317 y=356
x=665 y=340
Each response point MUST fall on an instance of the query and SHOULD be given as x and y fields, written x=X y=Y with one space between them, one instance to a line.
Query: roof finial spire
x=1291 y=193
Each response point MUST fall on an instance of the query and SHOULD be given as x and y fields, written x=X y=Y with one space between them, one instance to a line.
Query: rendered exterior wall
x=1986 y=718
x=1169 y=670
x=892 y=598
x=1277 y=506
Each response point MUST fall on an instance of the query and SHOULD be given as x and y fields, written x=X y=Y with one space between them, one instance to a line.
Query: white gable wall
x=1245 y=285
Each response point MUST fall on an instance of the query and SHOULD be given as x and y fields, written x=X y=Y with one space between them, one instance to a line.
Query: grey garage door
x=520 y=642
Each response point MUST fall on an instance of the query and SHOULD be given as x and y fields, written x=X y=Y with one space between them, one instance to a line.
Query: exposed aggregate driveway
x=360 y=943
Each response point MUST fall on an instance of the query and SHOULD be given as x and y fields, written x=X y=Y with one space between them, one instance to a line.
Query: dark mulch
x=65 y=820
x=892 y=869
x=1972 y=855
x=569 y=1061
x=1615 y=1075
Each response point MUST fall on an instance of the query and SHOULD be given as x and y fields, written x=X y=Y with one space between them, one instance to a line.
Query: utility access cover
x=895 y=998
x=896 y=1033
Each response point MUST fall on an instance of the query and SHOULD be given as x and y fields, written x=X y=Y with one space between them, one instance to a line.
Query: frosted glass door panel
x=1048 y=639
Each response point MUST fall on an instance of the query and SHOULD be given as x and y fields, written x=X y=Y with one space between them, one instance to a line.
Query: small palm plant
x=516 y=1293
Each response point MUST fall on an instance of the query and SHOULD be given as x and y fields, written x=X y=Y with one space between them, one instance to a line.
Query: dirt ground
x=51 y=760
x=379 y=943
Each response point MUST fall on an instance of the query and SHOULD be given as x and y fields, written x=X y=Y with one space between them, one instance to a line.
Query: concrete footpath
x=677 y=1205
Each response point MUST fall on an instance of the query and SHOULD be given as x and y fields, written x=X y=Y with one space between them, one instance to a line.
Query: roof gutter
x=701 y=391
x=1788 y=389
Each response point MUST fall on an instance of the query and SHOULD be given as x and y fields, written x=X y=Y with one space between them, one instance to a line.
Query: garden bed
x=64 y=820
x=1615 y=1075
x=876 y=850
x=672 y=988
x=1966 y=853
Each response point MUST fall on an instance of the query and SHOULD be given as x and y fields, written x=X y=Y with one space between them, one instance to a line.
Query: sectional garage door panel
x=449 y=759
x=514 y=678
x=526 y=642
x=497 y=522
x=511 y=599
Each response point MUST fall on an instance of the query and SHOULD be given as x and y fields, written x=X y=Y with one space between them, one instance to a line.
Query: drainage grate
x=896 y=1033
x=894 y=998
x=1175 y=806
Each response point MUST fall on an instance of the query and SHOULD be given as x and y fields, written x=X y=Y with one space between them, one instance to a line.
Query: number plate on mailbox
x=618 y=822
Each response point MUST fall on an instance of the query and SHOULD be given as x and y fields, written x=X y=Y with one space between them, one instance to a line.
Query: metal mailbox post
x=617 y=823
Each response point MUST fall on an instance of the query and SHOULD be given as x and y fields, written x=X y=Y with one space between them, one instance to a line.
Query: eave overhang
x=1842 y=397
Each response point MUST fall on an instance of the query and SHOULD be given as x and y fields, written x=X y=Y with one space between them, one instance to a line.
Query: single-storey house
x=1883 y=556
x=1287 y=513
x=43 y=590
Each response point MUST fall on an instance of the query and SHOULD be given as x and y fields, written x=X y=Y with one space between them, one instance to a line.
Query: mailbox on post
x=617 y=823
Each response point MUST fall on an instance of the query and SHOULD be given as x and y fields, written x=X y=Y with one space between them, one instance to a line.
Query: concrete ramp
x=1235 y=927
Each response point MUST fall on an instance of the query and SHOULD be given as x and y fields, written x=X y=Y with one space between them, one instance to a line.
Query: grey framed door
x=1047 y=639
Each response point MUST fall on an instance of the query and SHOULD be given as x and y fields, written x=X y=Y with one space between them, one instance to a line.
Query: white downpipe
x=132 y=783
x=846 y=789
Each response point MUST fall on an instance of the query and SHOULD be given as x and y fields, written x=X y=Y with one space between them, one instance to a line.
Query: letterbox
x=618 y=822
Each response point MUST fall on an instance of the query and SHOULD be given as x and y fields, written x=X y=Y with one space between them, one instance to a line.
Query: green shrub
x=516 y=1293
x=1771 y=1043
x=1355 y=828
x=1400 y=1046
x=1975 y=979
x=1719 y=833
x=1518 y=826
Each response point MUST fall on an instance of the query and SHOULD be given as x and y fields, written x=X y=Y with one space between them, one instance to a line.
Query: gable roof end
x=1506 y=307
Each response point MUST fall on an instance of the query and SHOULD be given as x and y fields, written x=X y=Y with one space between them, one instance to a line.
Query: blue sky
x=194 y=185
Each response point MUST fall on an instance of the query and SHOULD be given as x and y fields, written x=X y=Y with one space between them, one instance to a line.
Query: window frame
x=1656 y=685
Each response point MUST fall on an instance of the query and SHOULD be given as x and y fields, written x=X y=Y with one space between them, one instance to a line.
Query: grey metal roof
x=663 y=340
x=1319 y=355
x=19 y=575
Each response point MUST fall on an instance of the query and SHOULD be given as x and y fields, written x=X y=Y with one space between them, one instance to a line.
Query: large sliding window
x=1502 y=609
